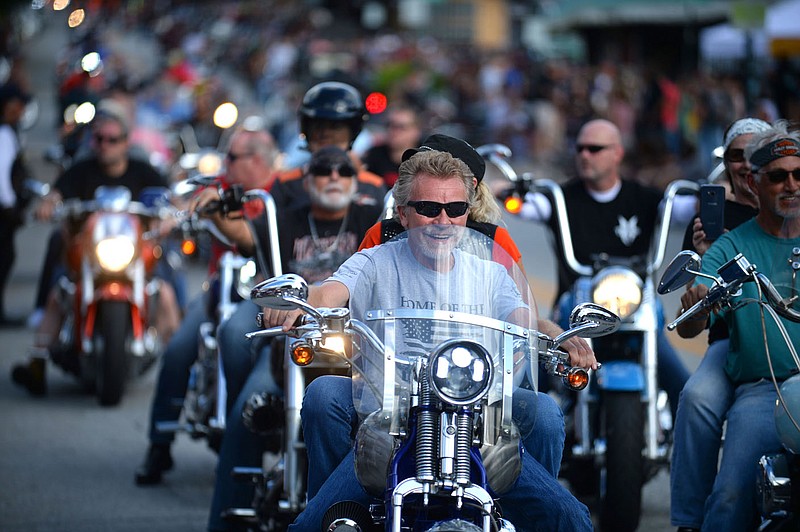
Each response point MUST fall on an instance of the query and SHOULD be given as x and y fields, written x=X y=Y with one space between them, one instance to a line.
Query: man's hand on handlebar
x=580 y=354
x=285 y=319
x=201 y=202
x=697 y=323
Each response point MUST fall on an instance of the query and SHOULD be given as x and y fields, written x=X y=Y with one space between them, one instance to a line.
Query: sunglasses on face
x=100 y=139
x=734 y=155
x=233 y=157
x=324 y=170
x=431 y=209
x=779 y=176
x=592 y=148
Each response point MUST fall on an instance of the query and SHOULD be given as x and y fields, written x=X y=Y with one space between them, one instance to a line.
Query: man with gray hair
x=766 y=240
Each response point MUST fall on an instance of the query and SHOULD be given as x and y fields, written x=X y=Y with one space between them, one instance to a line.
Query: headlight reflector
x=617 y=289
x=460 y=371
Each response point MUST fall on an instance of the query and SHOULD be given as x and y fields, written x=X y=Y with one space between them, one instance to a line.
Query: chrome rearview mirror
x=588 y=320
x=680 y=272
x=284 y=292
x=593 y=320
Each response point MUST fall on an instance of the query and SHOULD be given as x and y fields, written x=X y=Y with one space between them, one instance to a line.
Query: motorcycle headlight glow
x=617 y=289
x=115 y=253
x=460 y=371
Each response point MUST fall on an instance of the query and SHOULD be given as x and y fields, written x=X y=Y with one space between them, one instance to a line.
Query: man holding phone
x=708 y=393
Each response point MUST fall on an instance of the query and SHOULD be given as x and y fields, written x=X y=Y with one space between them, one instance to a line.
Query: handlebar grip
x=272 y=331
x=687 y=314
x=212 y=207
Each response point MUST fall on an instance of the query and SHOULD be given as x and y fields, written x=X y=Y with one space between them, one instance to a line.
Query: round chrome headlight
x=115 y=253
x=617 y=289
x=460 y=371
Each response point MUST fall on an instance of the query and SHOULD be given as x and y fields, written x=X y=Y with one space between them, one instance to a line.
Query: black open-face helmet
x=335 y=101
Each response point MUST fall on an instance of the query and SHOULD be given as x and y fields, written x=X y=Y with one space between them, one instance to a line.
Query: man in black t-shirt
x=110 y=165
x=607 y=215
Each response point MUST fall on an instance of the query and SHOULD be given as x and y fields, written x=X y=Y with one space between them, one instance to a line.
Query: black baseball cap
x=458 y=148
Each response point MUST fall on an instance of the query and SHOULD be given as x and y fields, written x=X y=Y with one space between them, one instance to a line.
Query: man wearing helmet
x=331 y=114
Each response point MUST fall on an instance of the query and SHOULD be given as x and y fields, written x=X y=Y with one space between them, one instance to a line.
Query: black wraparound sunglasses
x=431 y=209
x=779 y=176
x=322 y=169
x=591 y=148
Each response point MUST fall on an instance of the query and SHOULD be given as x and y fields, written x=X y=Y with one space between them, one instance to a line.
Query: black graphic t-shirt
x=622 y=227
x=82 y=179
x=316 y=257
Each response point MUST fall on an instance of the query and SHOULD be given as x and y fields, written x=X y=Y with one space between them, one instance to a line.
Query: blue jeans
x=671 y=372
x=240 y=446
x=704 y=402
x=750 y=434
x=238 y=353
x=329 y=425
x=330 y=422
x=176 y=363
x=537 y=501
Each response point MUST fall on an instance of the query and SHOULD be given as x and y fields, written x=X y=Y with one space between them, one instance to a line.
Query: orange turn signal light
x=576 y=378
x=513 y=204
x=188 y=247
x=302 y=354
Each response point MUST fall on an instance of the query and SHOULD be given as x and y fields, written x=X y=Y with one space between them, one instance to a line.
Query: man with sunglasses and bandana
x=314 y=239
x=709 y=392
x=767 y=240
x=608 y=215
x=109 y=165
x=433 y=187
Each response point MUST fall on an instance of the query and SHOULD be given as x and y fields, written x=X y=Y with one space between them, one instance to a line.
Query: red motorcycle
x=109 y=296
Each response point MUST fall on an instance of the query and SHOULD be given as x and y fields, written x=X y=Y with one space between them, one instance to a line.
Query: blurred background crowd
x=485 y=70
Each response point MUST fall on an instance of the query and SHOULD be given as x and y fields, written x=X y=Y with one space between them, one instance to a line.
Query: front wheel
x=624 y=471
x=112 y=336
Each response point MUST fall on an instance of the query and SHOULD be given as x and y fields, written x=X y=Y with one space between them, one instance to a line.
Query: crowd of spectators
x=263 y=56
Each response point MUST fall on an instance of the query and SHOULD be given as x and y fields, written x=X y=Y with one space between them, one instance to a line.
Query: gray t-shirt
x=389 y=277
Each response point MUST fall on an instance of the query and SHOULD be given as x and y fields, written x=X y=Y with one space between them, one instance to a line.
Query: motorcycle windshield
x=449 y=301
